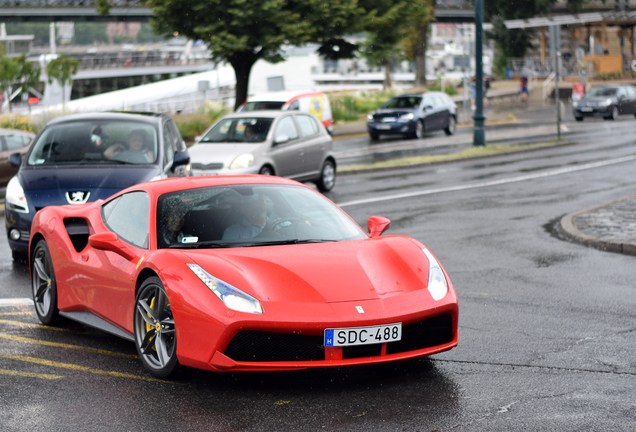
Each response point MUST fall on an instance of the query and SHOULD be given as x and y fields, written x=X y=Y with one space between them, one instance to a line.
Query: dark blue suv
x=86 y=157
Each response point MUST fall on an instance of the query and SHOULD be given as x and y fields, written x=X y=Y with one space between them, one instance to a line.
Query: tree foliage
x=515 y=42
x=241 y=32
x=62 y=69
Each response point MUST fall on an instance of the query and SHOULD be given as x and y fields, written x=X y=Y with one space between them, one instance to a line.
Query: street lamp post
x=479 y=133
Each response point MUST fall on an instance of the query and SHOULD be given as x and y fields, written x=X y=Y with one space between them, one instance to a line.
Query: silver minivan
x=285 y=143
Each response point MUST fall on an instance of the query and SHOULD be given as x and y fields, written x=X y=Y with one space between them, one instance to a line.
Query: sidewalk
x=610 y=227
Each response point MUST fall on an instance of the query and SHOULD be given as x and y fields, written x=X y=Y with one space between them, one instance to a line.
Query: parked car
x=607 y=101
x=154 y=265
x=85 y=157
x=285 y=143
x=313 y=102
x=11 y=141
x=414 y=114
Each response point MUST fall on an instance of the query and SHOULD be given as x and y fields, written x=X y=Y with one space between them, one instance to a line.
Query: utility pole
x=479 y=134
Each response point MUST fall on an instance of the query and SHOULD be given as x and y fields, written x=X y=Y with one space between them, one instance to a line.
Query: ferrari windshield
x=250 y=215
x=95 y=142
x=238 y=130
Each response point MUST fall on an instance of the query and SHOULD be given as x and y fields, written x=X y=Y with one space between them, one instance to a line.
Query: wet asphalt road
x=547 y=327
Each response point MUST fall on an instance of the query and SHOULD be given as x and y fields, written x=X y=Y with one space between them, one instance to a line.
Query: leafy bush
x=194 y=124
x=20 y=122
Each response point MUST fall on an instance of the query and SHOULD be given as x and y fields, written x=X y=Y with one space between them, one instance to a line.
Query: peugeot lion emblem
x=77 y=197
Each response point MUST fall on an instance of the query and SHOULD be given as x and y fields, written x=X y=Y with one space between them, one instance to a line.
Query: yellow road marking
x=15 y=313
x=65 y=345
x=29 y=374
x=79 y=368
x=31 y=325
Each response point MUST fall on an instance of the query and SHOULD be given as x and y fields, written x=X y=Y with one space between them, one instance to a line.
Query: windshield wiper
x=287 y=242
x=204 y=244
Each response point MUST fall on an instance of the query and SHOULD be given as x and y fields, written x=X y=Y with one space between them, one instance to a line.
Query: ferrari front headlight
x=437 y=285
x=14 y=198
x=232 y=297
x=245 y=160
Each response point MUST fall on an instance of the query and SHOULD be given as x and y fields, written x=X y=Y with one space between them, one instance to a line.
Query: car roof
x=262 y=114
x=282 y=96
x=173 y=184
x=15 y=131
x=140 y=117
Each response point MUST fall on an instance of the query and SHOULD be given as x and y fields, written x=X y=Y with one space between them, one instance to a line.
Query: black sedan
x=412 y=115
x=606 y=101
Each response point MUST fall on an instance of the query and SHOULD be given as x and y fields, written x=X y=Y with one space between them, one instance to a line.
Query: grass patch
x=467 y=153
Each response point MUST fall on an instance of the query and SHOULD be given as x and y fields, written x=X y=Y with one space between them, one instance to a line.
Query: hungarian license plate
x=586 y=109
x=363 y=335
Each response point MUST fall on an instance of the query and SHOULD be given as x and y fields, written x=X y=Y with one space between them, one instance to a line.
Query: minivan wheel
x=327 y=179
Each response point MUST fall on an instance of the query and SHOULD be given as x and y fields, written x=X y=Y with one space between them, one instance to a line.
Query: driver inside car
x=252 y=219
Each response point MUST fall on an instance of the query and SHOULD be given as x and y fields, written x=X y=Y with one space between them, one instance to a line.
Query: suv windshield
x=95 y=142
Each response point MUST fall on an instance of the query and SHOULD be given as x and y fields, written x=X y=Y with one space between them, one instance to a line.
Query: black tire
x=155 y=331
x=418 y=133
x=452 y=125
x=19 y=256
x=578 y=119
x=266 y=170
x=43 y=284
x=327 y=179
x=374 y=136
x=613 y=115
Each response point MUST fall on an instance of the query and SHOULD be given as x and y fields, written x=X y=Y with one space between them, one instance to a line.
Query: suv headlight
x=232 y=297
x=406 y=117
x=437 y=285
x=14 y=197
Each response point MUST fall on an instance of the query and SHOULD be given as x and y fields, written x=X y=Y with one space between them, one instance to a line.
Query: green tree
x=241 y=32
x=515 y=42
x=415 y=41
x=9 y=75
x=62 y=70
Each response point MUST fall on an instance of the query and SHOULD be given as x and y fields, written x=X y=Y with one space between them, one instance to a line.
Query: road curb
x=569 y=229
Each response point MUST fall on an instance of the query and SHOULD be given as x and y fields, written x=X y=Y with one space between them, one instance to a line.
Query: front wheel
x=266 y=170
x=155 y=332
x=419 y=130
x=452 y=125
x=613 y=115
x=578 y=119
x=43 y=284
x=327 y=179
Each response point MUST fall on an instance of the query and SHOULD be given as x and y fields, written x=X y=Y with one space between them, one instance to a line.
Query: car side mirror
x=109 y=241
x=376 y=225
x=15 y=160
x=181 y=158
x=281 y=139
x=428 y=107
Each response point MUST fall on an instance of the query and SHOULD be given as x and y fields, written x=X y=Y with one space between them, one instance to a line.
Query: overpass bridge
x=135 y=10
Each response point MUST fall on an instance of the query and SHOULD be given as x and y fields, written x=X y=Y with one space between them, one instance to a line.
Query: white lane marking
x=16 y=302
x=548 y=173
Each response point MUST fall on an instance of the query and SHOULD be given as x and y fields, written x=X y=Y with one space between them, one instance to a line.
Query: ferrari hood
x=327 y=272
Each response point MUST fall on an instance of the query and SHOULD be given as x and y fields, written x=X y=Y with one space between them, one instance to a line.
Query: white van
x=313 y=102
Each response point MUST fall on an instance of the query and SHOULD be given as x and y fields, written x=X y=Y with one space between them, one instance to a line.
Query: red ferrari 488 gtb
x=240 y=273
